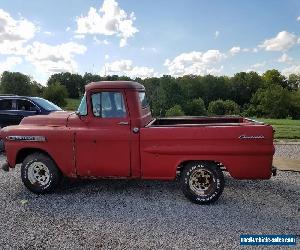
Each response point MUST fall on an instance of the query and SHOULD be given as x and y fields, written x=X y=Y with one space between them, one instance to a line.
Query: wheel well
x=181 y=166
x=23 y=153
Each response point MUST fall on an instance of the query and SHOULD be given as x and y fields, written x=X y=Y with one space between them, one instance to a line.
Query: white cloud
x=50 y=59
x=150 y=49
x=126 y=67
x=106 y=57
x=79 y=36
x=217 y=33
x=195 y=62
x=258 y=65
x=98 y=41
x=109 y=20
x=9 y=63
x=295 y=69
x=285 y=58
x=68 y=29
x=298 y=18
x=282 y=42
x=48 y=33
x=255 y=50
x=14 y=33
x=235 y=50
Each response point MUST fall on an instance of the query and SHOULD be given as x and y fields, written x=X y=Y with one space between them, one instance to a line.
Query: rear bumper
x=274 y=171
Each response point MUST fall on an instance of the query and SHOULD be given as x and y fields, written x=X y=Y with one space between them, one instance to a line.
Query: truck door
x=103 y=143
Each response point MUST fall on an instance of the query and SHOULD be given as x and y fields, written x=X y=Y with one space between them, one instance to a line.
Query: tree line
x=270 y=95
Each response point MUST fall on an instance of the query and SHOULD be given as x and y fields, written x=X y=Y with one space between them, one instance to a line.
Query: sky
x=149 y=38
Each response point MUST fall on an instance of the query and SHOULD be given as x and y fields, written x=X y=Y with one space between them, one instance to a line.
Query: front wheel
x=39 y=173
x=202 y=182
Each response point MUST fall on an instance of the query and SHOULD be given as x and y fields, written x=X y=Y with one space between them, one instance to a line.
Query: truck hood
x=58 y=118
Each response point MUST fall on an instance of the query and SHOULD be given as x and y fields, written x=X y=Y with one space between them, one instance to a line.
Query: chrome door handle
x=123 y=123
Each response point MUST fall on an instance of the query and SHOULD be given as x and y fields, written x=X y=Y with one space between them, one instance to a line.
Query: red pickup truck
x=114 y=135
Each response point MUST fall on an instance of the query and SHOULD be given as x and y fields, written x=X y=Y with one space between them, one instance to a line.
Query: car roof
x=16 y=97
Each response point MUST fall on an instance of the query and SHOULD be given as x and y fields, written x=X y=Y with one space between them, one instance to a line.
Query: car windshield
x=45 y=104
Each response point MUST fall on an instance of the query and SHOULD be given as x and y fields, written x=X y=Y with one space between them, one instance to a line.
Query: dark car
x=14 y=108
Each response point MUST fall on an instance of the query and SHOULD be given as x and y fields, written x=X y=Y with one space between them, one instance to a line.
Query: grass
x=285 y=128
x=72 y=104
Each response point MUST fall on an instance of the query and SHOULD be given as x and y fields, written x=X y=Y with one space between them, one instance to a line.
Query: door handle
x=123 y=123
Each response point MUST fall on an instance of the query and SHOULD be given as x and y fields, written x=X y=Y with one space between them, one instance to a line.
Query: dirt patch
x=286 y=164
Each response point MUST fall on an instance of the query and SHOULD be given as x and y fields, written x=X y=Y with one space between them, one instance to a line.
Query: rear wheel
x=202 y=182
x=39 y=173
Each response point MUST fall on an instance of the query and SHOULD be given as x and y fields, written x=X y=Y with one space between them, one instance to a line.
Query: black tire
x=202 y=182
x=40 y=174
x=1 y=146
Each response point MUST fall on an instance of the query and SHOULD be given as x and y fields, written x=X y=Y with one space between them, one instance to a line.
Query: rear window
x=5 y=104
x=143 y=99
x=45 y=104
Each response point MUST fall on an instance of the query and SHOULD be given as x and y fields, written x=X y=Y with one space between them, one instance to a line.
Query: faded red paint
x=87 y=146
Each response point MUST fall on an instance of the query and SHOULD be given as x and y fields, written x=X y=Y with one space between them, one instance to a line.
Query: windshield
x=82 y=109
x=45 y=104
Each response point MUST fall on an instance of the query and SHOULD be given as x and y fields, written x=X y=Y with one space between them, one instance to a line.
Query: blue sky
x=149 y=38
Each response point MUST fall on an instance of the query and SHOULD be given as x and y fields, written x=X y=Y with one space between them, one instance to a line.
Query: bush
x=220 y=107
x=56 y=93
x=175 y=111
x=195 y=107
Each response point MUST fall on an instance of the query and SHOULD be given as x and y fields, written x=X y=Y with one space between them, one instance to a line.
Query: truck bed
x=198 y=121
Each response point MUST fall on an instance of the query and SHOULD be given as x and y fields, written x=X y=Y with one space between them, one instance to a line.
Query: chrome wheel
x=201 y=182
x=38 y=174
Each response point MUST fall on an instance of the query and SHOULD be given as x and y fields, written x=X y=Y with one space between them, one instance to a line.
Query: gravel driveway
x=129 y=214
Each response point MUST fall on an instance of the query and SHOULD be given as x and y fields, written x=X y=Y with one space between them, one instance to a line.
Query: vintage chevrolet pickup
x=114 y=135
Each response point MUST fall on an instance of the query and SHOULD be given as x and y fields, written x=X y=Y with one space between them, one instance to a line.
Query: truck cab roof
x=115 y=85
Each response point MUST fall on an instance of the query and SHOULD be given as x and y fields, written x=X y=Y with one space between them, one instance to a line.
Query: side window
x=25 y=105
x=143 y=99
x=108 y=105
x=5 y=104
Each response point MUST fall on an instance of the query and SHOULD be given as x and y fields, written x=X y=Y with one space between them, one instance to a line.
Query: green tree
x=172 y=91
x=273 y=77
x=272 y=102
x=294 y=111
x=15 y=83
x=36 y=89
x=74 y=83
x=175 y=111
x=56 y=93
x=294 y=81
x=244 y=85
x=196 y=107
x=220 y=107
